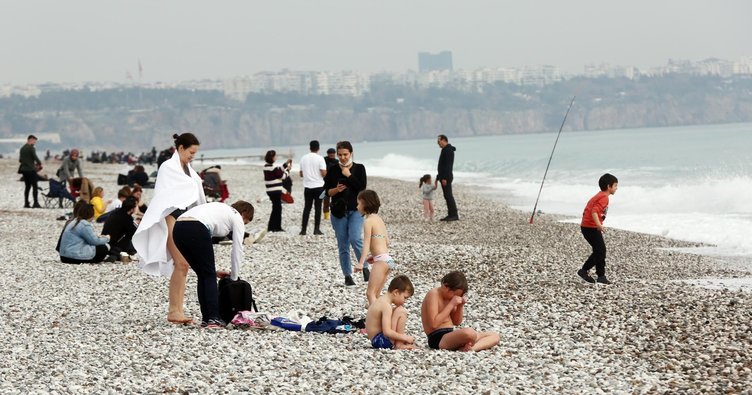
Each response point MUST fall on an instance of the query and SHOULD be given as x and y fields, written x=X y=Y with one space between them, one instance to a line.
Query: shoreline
x=90 y=328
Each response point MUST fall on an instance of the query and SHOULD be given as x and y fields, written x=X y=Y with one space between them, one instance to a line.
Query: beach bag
x=338 y=207
x=235 y=296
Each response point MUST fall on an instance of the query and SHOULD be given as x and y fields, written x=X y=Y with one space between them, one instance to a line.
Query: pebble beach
x=102 y=328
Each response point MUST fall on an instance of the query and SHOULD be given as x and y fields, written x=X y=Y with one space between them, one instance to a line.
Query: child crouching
x=386 y=326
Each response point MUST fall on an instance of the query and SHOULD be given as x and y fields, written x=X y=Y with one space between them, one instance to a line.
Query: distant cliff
x=136 y=121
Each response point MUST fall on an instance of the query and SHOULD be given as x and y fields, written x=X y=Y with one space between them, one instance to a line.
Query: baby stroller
x=214 y=187
x=58 y=191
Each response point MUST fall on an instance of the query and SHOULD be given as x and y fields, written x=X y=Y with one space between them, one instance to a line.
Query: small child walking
x=375 y=242
x=592 y=229
x=427 y=190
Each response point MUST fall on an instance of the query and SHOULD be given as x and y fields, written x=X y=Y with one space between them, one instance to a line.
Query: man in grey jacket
x=28 y=167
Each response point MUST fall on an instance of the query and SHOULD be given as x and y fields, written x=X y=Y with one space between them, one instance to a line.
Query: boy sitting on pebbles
x=443 y=309
x=386 y=326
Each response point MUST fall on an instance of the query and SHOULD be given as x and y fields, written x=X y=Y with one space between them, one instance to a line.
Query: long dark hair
x=86 y=211
x=185 y=140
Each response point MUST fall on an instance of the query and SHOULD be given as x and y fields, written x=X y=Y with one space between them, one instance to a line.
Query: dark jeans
x=598 y=258
x=30 y=181
x=312 y=195
x=275 y=218
x=193 y=240
x=451 y=204
x=98 y=256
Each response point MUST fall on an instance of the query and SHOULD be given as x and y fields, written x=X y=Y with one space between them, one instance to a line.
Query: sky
x=76 y=41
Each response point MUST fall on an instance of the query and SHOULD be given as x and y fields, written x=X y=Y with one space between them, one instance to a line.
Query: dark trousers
x=98 y=256
x=598 y=258
x=451 y=204
x=312 y=195
x=193 y=240
x=30 y=181
x=275 y=218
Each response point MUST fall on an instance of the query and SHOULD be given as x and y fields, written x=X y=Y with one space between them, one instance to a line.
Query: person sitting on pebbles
x=443 y=309
x=386 y=325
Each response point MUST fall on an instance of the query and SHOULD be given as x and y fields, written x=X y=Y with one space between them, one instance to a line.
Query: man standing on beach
x=29 y=162
x=313 y=170
x=445 y=177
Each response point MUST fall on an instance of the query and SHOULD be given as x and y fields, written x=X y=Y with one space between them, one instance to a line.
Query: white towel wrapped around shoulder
x=173 y=190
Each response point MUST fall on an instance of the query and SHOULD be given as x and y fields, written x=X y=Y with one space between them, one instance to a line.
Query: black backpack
x=234 y=296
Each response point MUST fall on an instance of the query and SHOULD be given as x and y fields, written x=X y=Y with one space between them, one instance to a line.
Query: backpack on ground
x=235 y=296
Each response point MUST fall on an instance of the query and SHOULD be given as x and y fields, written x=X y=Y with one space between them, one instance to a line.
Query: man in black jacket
x=29 y=162
x=445 y=176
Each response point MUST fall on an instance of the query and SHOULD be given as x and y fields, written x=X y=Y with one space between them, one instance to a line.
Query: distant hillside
x=136 y=119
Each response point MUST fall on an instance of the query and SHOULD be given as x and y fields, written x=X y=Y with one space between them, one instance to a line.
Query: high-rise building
x=434 y=62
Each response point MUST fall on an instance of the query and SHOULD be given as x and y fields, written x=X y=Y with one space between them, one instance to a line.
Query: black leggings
x=598 y=258
x=98 y=256
x=275 y=218
x=30 y=181
x=312 y=198
x=194 y=241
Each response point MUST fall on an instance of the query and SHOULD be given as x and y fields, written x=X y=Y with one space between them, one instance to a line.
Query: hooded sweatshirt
x=446 y=163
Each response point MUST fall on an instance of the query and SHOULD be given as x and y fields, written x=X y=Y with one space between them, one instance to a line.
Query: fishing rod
x=532 y=216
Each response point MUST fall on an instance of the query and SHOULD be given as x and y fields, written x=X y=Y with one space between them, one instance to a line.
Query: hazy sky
x=68 y=41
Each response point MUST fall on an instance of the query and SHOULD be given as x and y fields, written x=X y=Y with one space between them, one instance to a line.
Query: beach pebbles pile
x=103 y=329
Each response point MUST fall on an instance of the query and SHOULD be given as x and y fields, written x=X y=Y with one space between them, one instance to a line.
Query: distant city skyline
x=51 y=41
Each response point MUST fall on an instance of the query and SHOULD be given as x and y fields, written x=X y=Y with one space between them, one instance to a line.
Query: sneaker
x=603 y=280
x=349 y=281
x=366 y=274
x=27 y=205
x=213 y=324
x=36 y=205
x=302 y=233
x=318 y=232
x=111 y=258
x=455 y=218
x=585 y=276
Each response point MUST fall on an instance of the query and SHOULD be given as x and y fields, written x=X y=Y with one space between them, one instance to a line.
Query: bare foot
x=405 y=347
x=179 y=319
x=467 y=347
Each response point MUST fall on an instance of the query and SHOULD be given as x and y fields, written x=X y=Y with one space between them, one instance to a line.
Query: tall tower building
x=435 y=62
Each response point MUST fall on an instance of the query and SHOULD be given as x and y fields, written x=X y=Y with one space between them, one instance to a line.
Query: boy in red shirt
x=592 y=228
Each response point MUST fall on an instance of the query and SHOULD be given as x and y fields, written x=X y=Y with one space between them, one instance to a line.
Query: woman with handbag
x=343 y=183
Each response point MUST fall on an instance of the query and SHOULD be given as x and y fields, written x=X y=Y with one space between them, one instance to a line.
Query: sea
x=690 y=183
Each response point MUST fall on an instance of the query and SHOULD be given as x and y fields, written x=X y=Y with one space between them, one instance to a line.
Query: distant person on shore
x=193 y=236
x=386 y=325
x=445 y=176
x=274 y=177
x=29 y=163
x=343 y=183
x=375 y=244
x=121 y=227
x=313 y=171
x=178 y=188
x=331 y=160
x=443 y=309
x=426 y=190
x=79 y=243
x=592 y=229
x=137 y=176
x=70 y=165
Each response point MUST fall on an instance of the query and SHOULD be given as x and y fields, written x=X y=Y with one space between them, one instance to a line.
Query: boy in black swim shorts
x=443 y=309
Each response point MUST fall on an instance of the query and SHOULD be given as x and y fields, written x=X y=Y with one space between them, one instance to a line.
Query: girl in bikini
x=375 y=242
